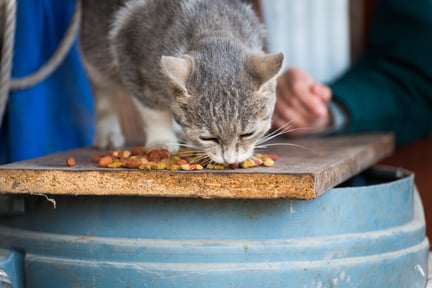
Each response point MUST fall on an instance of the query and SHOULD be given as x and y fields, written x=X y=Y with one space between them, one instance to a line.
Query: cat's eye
x=210 y=139
x=246 y=135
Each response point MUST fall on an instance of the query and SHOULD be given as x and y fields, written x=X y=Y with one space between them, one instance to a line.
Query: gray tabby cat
x=198 y=62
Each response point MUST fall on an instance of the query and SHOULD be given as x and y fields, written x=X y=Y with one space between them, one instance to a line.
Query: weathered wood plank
x=299 y=173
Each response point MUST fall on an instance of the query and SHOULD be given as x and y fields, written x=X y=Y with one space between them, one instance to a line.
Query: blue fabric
x=56 y=114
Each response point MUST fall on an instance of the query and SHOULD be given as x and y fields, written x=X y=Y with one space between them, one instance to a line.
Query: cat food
x=104 y=161
x=70 y=161
x=161 y=159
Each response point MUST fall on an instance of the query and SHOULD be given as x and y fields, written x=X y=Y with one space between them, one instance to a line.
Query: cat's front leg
x=158 y=125
x=108 y=127
x=108 y=132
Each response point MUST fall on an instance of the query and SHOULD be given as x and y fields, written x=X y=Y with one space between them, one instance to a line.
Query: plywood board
x=299 y=173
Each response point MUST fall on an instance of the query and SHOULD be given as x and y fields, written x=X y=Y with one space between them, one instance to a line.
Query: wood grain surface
x=302 y=173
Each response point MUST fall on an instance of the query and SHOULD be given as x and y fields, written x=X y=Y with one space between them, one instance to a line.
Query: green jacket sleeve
x=390 y=87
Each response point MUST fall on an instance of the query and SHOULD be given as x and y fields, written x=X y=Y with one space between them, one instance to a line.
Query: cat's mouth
x=230 y=158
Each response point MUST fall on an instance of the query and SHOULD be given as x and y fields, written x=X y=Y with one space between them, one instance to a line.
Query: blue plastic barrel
x=370 y=232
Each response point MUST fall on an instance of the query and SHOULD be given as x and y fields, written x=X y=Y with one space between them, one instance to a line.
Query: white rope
x=56 y=59
x=7 y=84
x=8 y=8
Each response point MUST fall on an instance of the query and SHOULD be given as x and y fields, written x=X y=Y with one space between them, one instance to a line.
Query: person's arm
x=390 y=88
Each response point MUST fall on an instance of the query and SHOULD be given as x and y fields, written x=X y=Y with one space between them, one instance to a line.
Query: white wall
x=312 y=34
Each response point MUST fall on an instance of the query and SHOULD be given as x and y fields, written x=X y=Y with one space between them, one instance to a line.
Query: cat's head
x=224 y=108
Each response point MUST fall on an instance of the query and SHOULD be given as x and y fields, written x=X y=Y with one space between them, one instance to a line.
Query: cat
x=198 y=62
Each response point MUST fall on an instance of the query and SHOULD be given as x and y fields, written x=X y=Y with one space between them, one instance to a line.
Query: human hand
x=301 y=104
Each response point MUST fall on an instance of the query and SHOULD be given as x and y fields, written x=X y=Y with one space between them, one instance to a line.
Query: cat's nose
x=230 y=161
x=229 y=157
x=232 y=156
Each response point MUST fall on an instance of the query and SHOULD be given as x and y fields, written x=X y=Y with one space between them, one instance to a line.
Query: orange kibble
x=154 y=158
x=164 y=154
x=181 y=162
x=257 y=162
x=105 y=161
x=274 y=157
x=137 y=150
x=132 y=163
x=95 y=157
x=234 y=166
x=70 y=161
x=192 y=167
x=153 y=155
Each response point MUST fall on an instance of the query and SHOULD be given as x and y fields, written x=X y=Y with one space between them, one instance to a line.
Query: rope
x=8 y=8
x=7 y=84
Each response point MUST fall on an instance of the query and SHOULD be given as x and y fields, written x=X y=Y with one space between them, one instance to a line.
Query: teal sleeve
x=390 y=87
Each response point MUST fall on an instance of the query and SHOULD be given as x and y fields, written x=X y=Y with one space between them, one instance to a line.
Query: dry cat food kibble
x=70 y=161
x=161 y=159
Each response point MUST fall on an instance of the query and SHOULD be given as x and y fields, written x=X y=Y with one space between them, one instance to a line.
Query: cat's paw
x=163 y=141
x=109 y=140
x=108 y=134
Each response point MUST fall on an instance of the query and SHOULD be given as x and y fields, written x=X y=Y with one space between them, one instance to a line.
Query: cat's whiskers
x=280 y=133
x=186 y=154
x=284 y=129
x=195 y=152
x=265 y=146
x=187 y=145
x=211 y=162
x=173 y=144
x=201 y=159
x=275 y=133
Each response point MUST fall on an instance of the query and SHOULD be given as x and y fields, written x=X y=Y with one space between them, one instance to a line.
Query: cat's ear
x=177 y=70
x=264 y=66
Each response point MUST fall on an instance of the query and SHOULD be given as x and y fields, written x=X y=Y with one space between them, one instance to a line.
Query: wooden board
x=299 y=173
